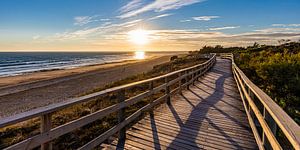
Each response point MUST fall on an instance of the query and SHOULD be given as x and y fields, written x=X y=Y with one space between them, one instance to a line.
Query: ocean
x=17 y=63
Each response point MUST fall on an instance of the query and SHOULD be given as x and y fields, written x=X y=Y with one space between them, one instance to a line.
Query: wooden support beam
x=180 y=82
x=45 y=127
x=121 y=115
x=167 y=91
x=186 y=80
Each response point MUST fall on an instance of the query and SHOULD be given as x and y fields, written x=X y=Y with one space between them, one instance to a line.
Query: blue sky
x=170 y=24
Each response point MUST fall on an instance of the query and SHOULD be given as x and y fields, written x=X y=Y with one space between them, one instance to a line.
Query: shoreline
x=23 y=93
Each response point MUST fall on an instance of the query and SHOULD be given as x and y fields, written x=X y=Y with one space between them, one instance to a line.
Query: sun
x=139 y=36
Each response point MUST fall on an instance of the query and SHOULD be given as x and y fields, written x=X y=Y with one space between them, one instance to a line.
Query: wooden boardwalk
x=209 y=115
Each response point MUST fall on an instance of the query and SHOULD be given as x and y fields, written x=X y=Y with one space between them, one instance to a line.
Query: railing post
x=121 y=115
x=197 y=73
x=167 y=91
x=200 y=71
x=46 y=126
x=180 y=83
x=263 y=138
x=186 y=80
x=193 y=76
x=151 y=86
x=272 y=125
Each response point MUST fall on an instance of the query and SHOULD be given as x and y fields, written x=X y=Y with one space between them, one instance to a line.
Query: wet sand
x=25 y=92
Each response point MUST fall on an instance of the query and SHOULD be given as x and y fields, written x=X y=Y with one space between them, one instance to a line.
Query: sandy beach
x=25 y=92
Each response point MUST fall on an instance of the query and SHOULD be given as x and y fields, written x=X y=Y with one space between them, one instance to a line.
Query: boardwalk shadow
x=154 y=132
x=204 y=106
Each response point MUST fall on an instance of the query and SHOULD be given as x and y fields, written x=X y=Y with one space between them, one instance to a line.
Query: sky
x=169 y=25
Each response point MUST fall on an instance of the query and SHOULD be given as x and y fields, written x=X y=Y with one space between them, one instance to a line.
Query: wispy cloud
x=197 y=38
x=82 y=20
x=205 y=18
x=276 y=30
x=103 y=28
x=286 y=25
x=133 y=4
x=187 y=20
x=157 y=6
x=36 y=37
x=104 y=19
x=223 y=28
x=160 y=16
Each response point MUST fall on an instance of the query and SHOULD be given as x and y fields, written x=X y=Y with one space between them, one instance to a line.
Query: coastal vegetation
x=16 y=133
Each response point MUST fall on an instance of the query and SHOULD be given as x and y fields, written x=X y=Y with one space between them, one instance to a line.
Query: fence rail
x=268 y=118
x=48 y=133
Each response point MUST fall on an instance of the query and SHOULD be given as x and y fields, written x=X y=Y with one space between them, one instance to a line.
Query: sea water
x=16 y=63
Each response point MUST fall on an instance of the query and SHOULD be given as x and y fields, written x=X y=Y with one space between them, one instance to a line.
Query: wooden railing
x=264 y=115
x=48 y=133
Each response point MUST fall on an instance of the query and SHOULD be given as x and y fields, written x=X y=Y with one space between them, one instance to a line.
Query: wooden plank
x=172 y=132
x=236 y=130
x=204 y=127
x=163 y=141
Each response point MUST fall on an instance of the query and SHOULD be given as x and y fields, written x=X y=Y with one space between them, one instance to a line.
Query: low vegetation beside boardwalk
x=16 y=133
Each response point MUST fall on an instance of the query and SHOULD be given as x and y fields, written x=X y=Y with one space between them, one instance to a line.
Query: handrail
x=47 y=133
x=273 y=116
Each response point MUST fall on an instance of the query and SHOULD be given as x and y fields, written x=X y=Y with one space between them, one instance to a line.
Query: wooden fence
x=264 y=115
x=48 y=133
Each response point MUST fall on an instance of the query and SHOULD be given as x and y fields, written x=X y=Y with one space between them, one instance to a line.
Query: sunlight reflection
x=139 y=55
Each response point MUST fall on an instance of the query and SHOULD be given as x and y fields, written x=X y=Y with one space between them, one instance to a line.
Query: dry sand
x=25 y=92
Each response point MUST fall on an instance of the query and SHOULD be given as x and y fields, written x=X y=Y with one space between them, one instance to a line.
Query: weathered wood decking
x=209 y=115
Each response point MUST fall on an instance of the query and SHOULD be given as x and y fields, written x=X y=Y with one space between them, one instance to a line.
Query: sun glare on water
x=139 y=55
x=139 y=36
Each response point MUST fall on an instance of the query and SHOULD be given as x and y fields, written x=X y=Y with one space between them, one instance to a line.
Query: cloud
x=223 y=28
x=185 y=34
x=82 y=20
x=157 y=6
x=286 y=25
x=200 y=38
x=205 y=18
x=276 y=30
x=160 y=16
x=36 y=37
x=103 y=28
x=133 y=4
x=104 y=19
x=187 y=20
